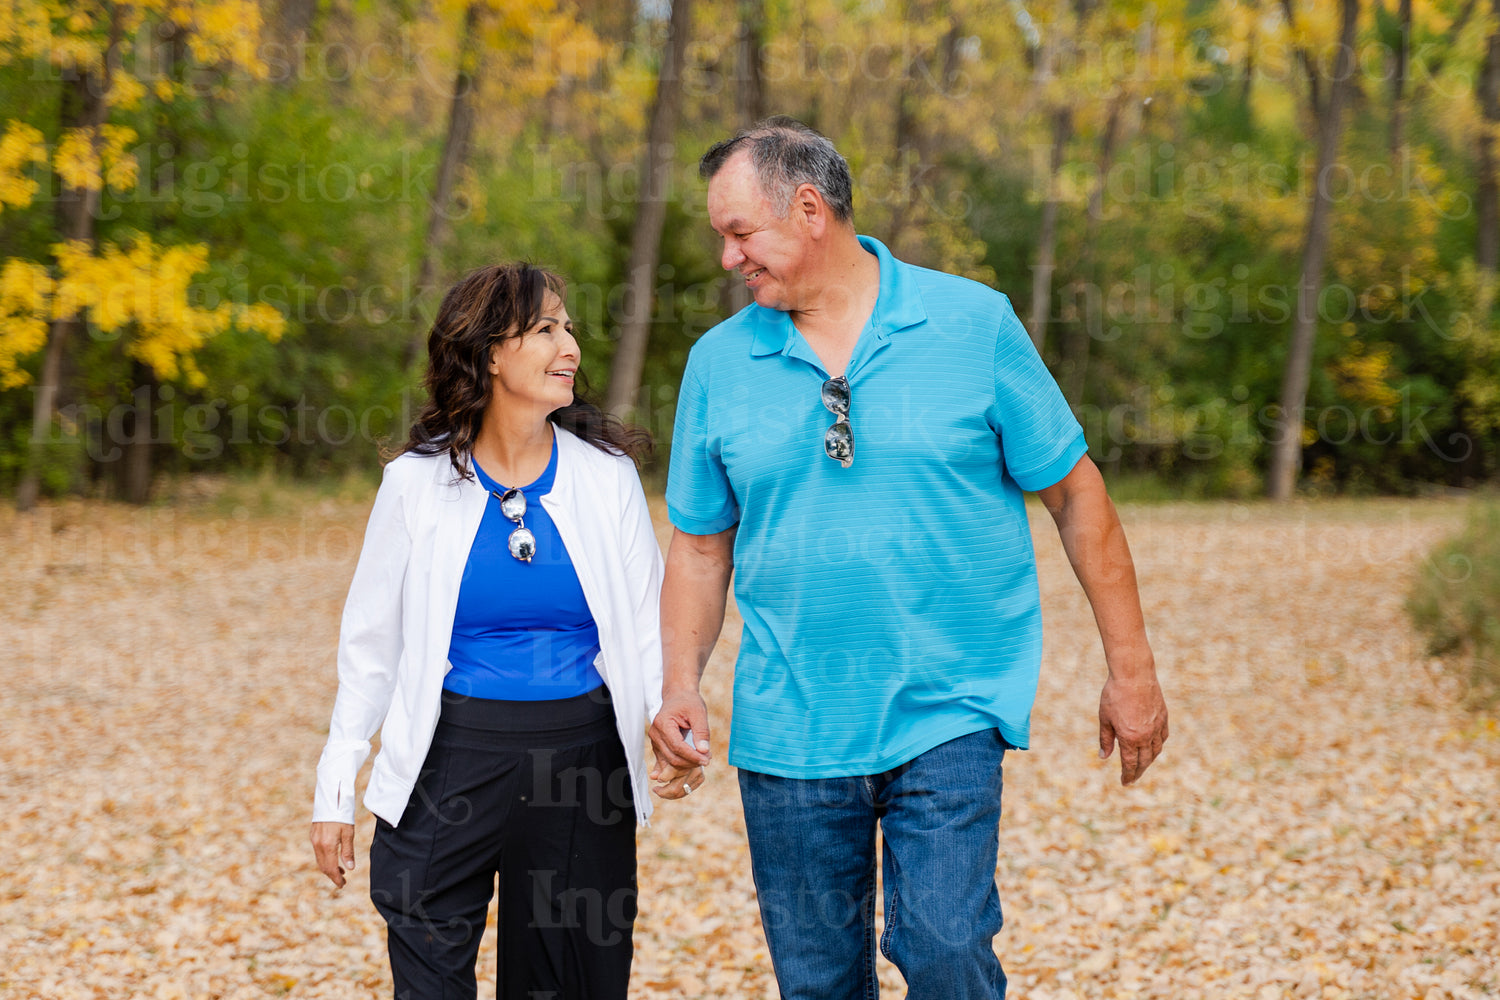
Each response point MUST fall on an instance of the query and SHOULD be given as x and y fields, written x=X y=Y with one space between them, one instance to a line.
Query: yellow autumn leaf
x=85 y=159
x=144 y=287
x=24 y=290
x=20 y=149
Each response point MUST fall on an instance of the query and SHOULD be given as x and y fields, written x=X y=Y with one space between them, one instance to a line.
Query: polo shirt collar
x=897 y=307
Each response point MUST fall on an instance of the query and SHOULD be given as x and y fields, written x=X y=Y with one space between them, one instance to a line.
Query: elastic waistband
x=527 y=725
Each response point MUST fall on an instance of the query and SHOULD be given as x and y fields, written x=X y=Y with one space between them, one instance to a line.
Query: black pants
x=539 y=794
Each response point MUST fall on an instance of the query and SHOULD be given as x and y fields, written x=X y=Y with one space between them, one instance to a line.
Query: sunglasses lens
x=836 y=396
x=838 y=443
x=513 y=505
x=522 y=544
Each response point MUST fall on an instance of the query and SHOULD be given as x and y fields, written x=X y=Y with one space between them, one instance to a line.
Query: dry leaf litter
x=1323 y=824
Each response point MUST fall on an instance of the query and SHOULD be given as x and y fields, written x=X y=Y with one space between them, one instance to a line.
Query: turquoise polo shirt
x=891 y=606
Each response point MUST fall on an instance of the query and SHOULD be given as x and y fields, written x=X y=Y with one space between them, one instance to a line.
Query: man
x=854 y=447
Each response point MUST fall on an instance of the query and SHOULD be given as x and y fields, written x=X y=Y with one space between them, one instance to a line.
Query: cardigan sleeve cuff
x=333 y=797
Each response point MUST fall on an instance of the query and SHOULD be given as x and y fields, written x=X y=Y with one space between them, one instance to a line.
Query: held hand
x=1134 y=714
x=676 y=782
x=333 y=845
x=682 y=714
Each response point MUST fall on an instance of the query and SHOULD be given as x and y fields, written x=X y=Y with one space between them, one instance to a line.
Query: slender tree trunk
x=455 y=152
x=1399 y=70
x=1046 y=249
x=916 y=142
x=295 y=23
x=84 y=104
x=749 y=80
x=135 y=469
x=297 y=18
x=1286 y=456
x=907 y=150
x=650 y=217
x=749 y=108
x=1075 y=346
x=1247 y=71
x=1487 y=195
x=134 y=473
x=812 y=113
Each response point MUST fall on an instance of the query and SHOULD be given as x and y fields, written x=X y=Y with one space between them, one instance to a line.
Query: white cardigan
x=398 y=620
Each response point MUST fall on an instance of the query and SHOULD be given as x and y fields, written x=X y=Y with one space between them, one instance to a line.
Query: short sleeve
x=700 y=500
x=1040 y=439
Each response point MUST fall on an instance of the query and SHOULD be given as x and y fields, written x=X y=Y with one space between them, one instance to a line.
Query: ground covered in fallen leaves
x=1325 y=823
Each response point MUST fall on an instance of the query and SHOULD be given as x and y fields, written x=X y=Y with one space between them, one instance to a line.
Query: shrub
x=1456 y=602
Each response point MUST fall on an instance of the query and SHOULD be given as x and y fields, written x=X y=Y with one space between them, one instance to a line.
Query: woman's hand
x=675 y=782
x=333 y=844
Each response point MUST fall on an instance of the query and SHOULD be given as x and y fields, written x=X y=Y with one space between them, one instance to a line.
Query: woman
x=502 y=623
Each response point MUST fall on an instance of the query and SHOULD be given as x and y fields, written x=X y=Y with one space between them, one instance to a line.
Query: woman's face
x=536 y=369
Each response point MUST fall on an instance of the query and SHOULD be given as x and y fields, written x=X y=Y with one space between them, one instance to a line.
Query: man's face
x=764 y=248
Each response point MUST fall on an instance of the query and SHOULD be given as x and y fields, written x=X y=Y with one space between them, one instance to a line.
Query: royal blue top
x=522 y=631
x=893 y=605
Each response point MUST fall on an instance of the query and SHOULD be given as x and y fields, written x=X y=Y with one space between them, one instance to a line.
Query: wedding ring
x=687 y=789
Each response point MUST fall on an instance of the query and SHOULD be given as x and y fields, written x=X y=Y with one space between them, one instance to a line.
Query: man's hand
x=683 y=717
x=1132 y=711
x=333 y=845
x=1134 y=714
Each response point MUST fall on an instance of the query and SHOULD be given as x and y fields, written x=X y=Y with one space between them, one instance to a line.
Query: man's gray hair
x=787 y=154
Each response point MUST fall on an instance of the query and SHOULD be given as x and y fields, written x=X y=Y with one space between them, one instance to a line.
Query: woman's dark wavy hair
x=486 y=307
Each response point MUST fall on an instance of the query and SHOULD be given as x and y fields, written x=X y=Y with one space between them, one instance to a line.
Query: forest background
x=1256 y=242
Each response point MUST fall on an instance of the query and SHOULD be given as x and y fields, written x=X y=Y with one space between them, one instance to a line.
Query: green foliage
x=1456 y=602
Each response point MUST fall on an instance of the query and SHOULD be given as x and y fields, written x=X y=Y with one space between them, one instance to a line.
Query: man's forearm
x=693 y=597
x=1094 y=541
x=1132 y=711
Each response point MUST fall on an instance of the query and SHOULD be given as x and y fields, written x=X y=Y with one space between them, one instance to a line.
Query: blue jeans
x=812 y=850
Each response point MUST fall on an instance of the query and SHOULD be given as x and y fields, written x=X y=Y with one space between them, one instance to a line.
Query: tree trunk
x=1399 y=71
x=84 y=104
x=1076 y=340
x=749 y=107
x=1487 y=195
x=1247 y=70
x=749 y=79
x=1286 y=456
x=908 y=155
x=916 y=147
x=650 y=217
x=134 y=471
x=455 y=152
x=297 y=18
x=295 y=23
x=1046 y=249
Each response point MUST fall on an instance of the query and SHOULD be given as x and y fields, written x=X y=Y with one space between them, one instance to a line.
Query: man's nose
x=731 y=258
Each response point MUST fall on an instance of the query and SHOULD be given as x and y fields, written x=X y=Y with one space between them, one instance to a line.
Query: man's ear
x=808 y=203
